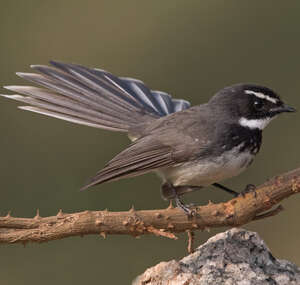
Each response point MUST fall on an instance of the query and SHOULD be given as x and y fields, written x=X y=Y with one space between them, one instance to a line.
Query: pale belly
x=205 y=172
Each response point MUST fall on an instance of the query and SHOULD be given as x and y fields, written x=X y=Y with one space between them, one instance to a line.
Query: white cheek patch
x=262 y=96
x=255 y=123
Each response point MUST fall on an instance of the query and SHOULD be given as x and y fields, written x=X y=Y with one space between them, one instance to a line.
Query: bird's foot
x=171 y=192
x=250 y=188
x=186 y=208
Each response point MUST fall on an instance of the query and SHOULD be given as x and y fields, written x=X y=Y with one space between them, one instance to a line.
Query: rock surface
x=236 y=256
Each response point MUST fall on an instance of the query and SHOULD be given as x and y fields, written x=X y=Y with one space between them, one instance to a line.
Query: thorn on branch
x=37 y=215
x=60 y=213
x=8 y=214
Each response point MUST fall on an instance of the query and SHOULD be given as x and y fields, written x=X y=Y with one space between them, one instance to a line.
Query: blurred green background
x=187 y=48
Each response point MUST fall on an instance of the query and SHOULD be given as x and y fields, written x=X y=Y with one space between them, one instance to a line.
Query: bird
x=189 y=147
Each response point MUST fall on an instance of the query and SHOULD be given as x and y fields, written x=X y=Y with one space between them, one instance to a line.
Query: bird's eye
x=258 y=105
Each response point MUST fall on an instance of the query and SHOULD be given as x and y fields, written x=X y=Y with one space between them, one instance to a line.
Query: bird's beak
x=283 y=108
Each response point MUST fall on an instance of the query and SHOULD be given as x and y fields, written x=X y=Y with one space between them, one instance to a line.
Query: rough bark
x=164 y=222
x=236 y=256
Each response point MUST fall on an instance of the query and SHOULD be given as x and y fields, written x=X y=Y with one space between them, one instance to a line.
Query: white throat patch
x=262 y=96
x=255 y=123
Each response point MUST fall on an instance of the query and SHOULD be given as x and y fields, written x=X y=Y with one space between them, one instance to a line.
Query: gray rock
x=236 y=256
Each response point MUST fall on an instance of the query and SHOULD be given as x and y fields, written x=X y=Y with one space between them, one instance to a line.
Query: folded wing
x=139 y=158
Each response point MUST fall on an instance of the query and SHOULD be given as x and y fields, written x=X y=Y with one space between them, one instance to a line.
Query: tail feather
x=74 y=111
x=165 y=102
x=69 y=118
x=89 y=84
x=180 y=105
x=56 y=100
x=93 y=97
x=56 y=87
x=107 y=98
x=101 y=81
x=143 y=95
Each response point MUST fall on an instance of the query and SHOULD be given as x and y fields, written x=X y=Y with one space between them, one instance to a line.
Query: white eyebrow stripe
x=262 y=96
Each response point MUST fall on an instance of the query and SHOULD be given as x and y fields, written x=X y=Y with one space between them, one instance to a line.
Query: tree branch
x=164 y=222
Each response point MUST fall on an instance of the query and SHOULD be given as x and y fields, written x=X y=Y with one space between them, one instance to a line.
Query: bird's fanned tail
x=92 y=97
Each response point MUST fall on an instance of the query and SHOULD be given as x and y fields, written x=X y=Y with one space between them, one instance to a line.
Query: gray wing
x=139 y=158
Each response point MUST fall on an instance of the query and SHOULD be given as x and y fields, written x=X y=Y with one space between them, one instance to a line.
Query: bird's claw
x=250 y=188
x=186 y=208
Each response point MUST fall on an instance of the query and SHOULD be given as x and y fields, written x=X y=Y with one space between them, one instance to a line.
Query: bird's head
x=252 y=105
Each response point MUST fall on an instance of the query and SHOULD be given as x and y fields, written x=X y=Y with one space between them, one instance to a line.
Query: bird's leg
x=232 y=192
x=169 y=191
x=249 y=188
x=184 y=207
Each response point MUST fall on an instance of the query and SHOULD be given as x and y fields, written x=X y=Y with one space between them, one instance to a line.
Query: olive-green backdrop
x=187 y=48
